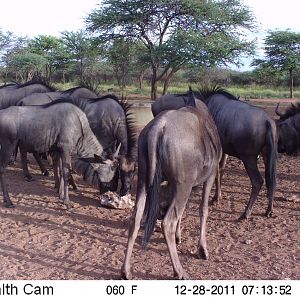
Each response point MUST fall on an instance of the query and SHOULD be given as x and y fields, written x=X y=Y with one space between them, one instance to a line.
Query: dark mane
x=291 y=111
x=205 y=92
x=42 y=82
x=74 y=89
x=56 y=101
x=130 y=122
x=108 y=96
x=131 y=129
x=71 y=90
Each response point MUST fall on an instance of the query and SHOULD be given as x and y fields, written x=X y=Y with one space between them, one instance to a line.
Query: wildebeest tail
x=271 y=158
x=155 y=175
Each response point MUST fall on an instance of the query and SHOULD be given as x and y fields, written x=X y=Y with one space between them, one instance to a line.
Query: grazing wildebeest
x=111 y=121
x=245 y=132
x=183 y=148
x=288 y=128
x=58 y=127
x=43 y=98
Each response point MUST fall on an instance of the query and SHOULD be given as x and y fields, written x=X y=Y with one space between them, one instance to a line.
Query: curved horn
x=278 y=113
x=117 y=151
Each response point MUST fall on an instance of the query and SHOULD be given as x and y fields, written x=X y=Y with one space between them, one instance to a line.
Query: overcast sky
x=50 y=17
x=34 y=17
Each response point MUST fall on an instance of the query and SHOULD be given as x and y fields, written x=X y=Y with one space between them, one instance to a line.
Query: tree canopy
x=282 y=52
x=177 y=32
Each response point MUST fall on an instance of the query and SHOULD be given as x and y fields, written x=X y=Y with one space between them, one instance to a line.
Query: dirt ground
x=39 y=239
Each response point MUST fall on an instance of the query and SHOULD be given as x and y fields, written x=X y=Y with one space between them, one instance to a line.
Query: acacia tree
x=52 y=49
x=26 y=65
x=176 y=32
x=82 y=49
x=282 y=52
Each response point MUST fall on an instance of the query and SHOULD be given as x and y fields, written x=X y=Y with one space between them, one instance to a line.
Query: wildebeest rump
x=58 y=127
x=183 y=148
x=245 y=132
x=288 y=128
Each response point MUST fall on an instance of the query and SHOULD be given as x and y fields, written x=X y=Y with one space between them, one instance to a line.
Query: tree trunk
x=154 y=85
x=166 y=83
x=168 y=78
x=141 y=79
x=291 y=83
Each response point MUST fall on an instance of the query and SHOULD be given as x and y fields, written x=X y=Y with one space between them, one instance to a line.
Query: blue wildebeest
x=43 y=98
x=245 y=132
x=183 y=148
x=57 y=127
x=288 y=128
x=12 y=93
x=111 y=121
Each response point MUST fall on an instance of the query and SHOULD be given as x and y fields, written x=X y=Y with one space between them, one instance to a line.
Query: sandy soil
x=39 y=239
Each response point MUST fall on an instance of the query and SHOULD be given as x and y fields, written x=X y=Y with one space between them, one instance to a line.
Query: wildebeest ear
x=191 y=98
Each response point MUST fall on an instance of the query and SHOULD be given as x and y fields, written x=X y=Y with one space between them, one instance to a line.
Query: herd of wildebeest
x=183 y=148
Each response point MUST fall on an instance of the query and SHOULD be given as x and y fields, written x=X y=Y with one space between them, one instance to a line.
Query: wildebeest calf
x=183 y=148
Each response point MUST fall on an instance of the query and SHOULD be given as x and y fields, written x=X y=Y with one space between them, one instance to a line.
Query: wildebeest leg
x=6 y=198
x=178 y=232
x=218 y=181
x=250 y=164
x=13 y=157
x=72 y=182
x=58 y=176
x=24 y=164
x=134 y=226
x=125 y=182
x=170 y=222
x=5 y=156
x=55 y=161
x=40 y=163
x=203 y=210
x=65 y=169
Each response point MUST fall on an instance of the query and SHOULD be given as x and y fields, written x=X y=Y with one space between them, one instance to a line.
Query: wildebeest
x=245 y=132
x=57 y=127
x=111 y=121
x=183 y=148
x=43 y=98
x=10 y=94
x=288 y=128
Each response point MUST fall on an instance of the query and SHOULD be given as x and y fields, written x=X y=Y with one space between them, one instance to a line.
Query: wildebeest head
x=288 y=128
x=100 y=170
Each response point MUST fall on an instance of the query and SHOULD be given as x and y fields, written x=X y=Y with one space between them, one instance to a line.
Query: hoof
x=243 y=217
x=29 y=178
x=9 y=205
x=203 y=254
x=269 y=213
x=46 y=173
x=126 y=274
x=71 y=210
x=182 y=276
x=215 y=201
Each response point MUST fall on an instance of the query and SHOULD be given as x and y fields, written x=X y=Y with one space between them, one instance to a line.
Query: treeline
x=75 y=57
